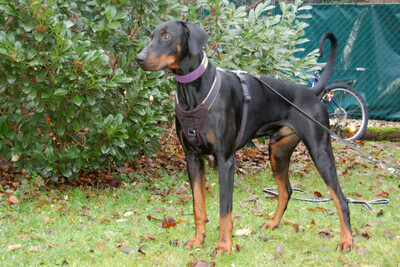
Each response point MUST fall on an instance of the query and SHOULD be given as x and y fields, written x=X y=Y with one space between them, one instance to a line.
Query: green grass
x=88 y=226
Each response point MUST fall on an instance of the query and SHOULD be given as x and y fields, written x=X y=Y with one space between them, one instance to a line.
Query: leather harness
x=192 y=120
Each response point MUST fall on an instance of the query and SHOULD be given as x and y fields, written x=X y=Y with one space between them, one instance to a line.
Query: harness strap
x=191 y=120
x=246 y=100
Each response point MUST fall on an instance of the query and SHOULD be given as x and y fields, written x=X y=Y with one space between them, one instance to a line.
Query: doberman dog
x=178 y=46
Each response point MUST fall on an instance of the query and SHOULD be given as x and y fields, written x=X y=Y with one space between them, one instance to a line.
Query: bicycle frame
x=331 y=98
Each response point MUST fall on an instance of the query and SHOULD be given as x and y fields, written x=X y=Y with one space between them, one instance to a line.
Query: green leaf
x=39 y=36
x=61 y=91
x=4 y=125
x=66 y=171
x=78 y=99
x=28 y=26
x=27 y=140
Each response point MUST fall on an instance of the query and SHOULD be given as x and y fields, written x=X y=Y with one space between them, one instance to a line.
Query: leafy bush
x=256 y=40
x=71 y=98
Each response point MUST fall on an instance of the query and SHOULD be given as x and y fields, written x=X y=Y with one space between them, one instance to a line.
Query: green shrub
x=256 y=40
x=71 y=98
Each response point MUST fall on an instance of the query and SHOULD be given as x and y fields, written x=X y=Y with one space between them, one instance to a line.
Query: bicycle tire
x=348 y=112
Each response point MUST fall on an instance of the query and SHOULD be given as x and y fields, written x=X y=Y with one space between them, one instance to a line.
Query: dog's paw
x=270 y=225
x=222 y=248
x=194 y=243
x=346 y=246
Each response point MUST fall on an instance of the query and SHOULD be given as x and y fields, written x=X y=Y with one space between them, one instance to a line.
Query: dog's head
x=171 y=42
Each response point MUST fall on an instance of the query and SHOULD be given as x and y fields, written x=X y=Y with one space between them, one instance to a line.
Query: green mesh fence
x=369 y=51
x=369 y=48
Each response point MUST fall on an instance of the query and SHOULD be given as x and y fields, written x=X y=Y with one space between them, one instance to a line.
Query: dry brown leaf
x=49 y=219
x=11 y=199
x=100 y=245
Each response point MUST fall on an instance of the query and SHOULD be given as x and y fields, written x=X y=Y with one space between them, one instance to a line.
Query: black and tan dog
x=214 y=127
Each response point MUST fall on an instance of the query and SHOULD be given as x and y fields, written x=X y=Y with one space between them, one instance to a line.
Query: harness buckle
x=191 y=133
x=246 y=96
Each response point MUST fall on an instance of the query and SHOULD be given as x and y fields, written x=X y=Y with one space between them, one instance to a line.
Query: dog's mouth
x=154 y=62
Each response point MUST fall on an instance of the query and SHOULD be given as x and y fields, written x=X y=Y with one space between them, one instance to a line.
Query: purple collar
x=194 y=75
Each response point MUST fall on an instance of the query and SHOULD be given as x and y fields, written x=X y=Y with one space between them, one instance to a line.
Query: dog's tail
x=320 y=86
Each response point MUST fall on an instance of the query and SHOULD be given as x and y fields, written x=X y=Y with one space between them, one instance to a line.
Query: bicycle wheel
x=348 y=113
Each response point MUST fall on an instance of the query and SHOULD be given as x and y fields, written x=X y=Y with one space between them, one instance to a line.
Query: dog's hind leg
x=281 y=148
x=195 y=168
x=321 y=153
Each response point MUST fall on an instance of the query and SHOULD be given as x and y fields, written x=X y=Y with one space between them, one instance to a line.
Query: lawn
x=146 y=220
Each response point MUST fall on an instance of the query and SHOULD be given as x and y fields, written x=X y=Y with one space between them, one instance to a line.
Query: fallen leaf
x=185 y=198
x=11 y=199
x=164 y=192
x=243 y=232
x=150 y=217
x=140 y=250
x=317 y=194
x=14 y=247
x=325 y=234
x=389 y=235
x=362 y=251
x=380 y=213
x=331 y=212
x=126 y=249
x=84 y=212
x=100 y=245
x=254 y=198
x=322 y=248
x=48 y=219
x=51 y=231
x=296 y=184
x=278 y=250
x=238 y=249
x=296 y=228
x=168 y=222
x=64 y=208
x=362 y=233
x=257 y=212
x=35 y=248
x=180 y=191
x=149 y=237
x=202 y=263
x=316 y=209
x=270 y=196
x=382 y=194
x=379 y=181
x=129 y=213
x=372 y=224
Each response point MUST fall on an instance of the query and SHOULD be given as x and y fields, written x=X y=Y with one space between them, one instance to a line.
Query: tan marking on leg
x=225 y=235
x=346 y=238
x=200 y=214
x=282 y=151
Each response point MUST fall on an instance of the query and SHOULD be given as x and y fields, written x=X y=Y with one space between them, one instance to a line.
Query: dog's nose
x=141 y=58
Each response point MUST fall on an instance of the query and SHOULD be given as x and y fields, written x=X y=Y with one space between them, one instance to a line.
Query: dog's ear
x=197 y=37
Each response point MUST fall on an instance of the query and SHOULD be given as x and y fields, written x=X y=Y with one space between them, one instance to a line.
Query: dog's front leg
x=195 y=167
x=226 y=169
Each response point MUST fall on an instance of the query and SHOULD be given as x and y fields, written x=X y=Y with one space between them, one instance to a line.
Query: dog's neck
x=191 y=94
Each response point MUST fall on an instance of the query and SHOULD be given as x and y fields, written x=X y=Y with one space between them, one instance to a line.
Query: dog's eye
x=166 y=36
